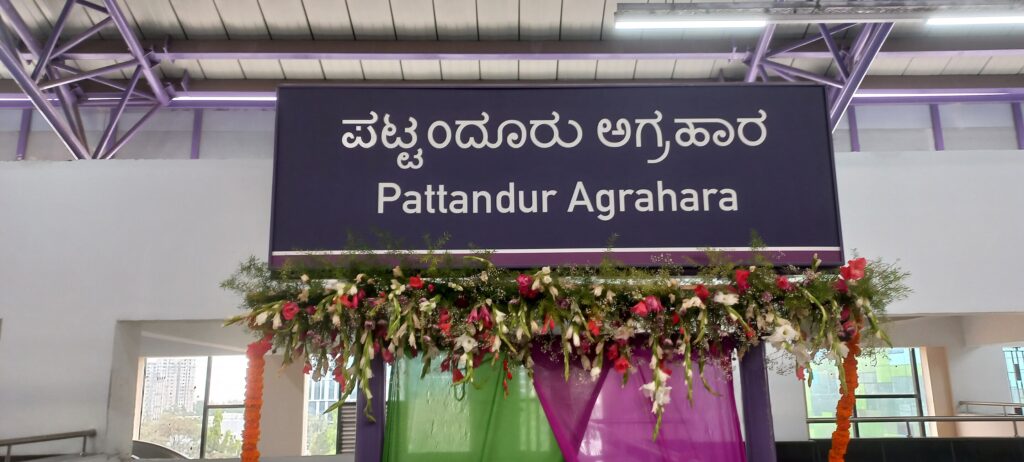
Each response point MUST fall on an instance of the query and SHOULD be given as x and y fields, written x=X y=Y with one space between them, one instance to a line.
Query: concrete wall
x=84 y=245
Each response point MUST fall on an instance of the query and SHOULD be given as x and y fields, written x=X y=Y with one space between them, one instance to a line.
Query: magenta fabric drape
x=603 y=420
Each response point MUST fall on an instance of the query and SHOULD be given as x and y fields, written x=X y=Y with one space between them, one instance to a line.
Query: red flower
x=444 y=322
x=416 y=282
x=653 y=304
x=841 y=286
x=741 y=280
x=457 y=375
x=549 y=323
x=665 y=369
x=675 y=318
x=783 y=283
x=701 y=292
x=613 y=352
x=387 y=355
x=800 y=373
x=622 y=365
x=594 y=326
x=289 y=310
x=307 y=368
x=430 y=288
x=526 y=286
x=339 y=376
x=854 y=269
x=311 y=310
x=640 y=309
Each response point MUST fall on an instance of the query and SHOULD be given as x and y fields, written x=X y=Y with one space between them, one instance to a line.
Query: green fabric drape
x=428 y=420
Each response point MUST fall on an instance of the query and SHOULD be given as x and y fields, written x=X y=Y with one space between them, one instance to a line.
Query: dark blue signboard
x=551 y=174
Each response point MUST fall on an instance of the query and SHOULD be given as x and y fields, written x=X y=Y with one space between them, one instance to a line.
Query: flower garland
x=844 y=410
x=253 y=398
x=456 y=318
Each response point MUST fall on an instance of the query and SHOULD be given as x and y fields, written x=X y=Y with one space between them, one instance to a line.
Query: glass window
x=889 y=386
x=194 y=405
x=328 y=433
x=1014 y=364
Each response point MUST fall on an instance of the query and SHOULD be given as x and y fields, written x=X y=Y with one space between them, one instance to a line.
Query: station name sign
x=547 y=175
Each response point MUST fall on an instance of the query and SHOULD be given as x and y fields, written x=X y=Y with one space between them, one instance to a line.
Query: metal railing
x=1013 y=419
x=1015 y=408
x=11 y=442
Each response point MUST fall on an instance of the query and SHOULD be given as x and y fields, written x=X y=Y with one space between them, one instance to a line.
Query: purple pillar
x=757 y=407
x=197 y=132
x=26 y=128
x=940 y=141
x=370 y=435
x=1018 y=123
x=851 y=118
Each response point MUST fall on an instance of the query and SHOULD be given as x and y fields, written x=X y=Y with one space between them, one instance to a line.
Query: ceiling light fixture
x=973 y=20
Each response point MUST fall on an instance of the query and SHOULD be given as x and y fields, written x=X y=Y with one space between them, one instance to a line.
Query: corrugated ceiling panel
x=328 y=19
x=306 y=69
x=110 y=32
x=261 y=68
x=499 y=70
x=456 y=19
x=926 y=65
x=371 y=20
x=286 y=19
x=615 y=68
x=965 y=65
x=888 y=66
x=693 y=68
x=343 y=69
x=414 y=19
x=582 y=19
x=532 y=69
x=1003 y=65
x=156 y=19
x=460 y=70
x=379 y=69
x=33 y=17
x=243 y=19
x=734 y=70
x=498 y=19
x=221 y=69
x=421 y=69
x=577 y=69
x=654 y=68
x=818 y=66
x=199 y=19
x=539 y=19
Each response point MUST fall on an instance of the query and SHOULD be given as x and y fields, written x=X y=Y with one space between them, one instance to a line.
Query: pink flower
x=613 y=352
x=622 y=365
x=783 y=283
x=311 y=310
x=701 y=292
x=525 y=283
x=854 y=269
x=841 y=286
x=741 y=280
x=653 y=304
x=289 y=310
x=640 y=309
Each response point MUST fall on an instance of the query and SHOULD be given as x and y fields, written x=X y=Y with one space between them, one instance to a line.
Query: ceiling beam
x=722 y=48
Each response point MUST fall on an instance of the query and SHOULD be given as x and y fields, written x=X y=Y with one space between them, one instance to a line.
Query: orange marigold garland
x=844 y=410
x=253 y=399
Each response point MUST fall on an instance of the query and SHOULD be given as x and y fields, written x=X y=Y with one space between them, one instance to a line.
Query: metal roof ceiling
x=178 y=22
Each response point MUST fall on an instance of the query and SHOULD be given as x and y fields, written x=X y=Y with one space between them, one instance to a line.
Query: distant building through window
x=1014 y=364
x=328 y=433
x=194 y=405
x=890 y=386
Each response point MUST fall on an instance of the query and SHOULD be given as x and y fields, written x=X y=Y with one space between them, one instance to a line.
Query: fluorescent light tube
x=690 y=23
x=225 y=98
x=973 y=20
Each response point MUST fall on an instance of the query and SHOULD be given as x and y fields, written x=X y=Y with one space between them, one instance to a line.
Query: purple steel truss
x=46 y=78
x=851 y=65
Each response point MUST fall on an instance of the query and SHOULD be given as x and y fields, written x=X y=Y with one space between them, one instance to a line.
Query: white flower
x=396 y=287
x=844 y=350
x=340 y=287
x=536 y=285
x=353 y=290
x=547 y=279
x=693 y=302
x=673 y=282
x=727 y=299
x=360 y=277
x=609 y=295
x=336 y=320
x=546 y=270
x=427 y=305
x=304 y=278
x=499 y=317
x=496 y=344
x=455 y=286
x=554 y=290
x=261 y=318
x=397 y=271
x=576 y=339
x=483 y=276
x=277 y=321
x=624 y=333
x=595 y=372
x=597 y=290
x=659 y=396
x=784 y=333
x=803 y=357
x=466 y=342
